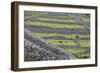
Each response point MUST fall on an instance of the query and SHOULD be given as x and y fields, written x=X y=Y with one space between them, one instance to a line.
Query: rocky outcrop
x=37 y=49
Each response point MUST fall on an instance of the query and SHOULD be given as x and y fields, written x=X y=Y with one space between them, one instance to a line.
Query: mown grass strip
x=53 y=25
x=62 y=42
x=84 y=43
x=59 y=20
x=65 y=35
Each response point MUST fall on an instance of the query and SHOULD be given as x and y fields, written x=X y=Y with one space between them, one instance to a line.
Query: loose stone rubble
x=37 y=49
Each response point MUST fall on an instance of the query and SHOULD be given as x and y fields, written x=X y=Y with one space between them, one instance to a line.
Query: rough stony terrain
x=36 y=49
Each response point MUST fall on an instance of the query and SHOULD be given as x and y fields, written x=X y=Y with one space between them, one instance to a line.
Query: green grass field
x=85 y=43
x=62 y=42
x=59 y=20
x=80 y=53
x=65 y=35
x=53 y=25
